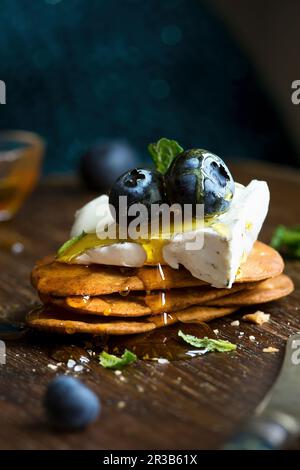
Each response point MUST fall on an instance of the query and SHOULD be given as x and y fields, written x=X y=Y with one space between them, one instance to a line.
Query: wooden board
x=195 y=404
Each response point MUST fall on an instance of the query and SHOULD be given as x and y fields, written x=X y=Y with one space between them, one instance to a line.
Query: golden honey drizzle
x=153 y=244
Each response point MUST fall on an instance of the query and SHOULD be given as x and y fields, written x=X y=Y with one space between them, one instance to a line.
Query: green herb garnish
x=287 y=240
x=110 y=361
x=208 y=344
x=163 y=153
x=70 y=243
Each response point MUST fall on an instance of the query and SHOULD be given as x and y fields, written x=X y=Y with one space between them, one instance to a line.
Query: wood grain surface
x=194 y=404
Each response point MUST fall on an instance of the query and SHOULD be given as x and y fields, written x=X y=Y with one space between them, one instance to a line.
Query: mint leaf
x=70 y=243
x=163 y=153
x=287 y=240
x=110 y=361
x=207 y=343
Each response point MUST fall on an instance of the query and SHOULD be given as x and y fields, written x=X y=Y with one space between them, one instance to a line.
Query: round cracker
x=61 y=279
x=49 y=319
x=179 y=299
x=130 y=306
x=141 y=305
x=55 y=321
x=193 y=314
x=265 y=291
x=262 y=263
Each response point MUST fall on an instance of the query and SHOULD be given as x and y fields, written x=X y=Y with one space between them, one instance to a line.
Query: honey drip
x=164 y=315
x=124 y=291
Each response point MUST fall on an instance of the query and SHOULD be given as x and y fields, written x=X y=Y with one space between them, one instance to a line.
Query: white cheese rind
x=92 y=217
x=223 y=250
x=131 y=255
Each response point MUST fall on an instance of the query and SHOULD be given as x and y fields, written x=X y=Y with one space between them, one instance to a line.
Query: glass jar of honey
x=20 y=162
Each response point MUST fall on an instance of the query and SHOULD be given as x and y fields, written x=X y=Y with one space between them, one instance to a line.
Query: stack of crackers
x=100 y=299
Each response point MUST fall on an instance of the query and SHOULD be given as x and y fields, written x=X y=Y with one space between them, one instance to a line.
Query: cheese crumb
x=17 y=248
x=71 y=363
x=252 y=338
x=52 y=366
x=235 y=323
x=162 y=360
x=270 y=349
x=78 y=368
x=118 y=372
x=121 y=404
x=259 y=318
x=84 y=360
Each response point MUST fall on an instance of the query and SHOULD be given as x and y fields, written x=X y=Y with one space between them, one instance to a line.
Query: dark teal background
x=76 y=70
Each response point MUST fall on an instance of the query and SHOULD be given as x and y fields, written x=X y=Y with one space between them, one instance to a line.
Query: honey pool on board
x=161 y=343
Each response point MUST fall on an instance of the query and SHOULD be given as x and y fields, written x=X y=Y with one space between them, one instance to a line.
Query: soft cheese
x=227 y=241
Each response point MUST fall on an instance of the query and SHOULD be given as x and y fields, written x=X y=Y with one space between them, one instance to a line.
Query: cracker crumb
x=252 y=338
x=118 y=372
x=235 y=323
x=121 y=405
x=259 y=317
x=216 y=332
x=270 y=349
x=241 y=333
x=52 y=366
x=140 y=388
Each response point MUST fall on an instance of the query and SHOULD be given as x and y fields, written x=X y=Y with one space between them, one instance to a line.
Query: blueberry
x=197 y=176
x=141 y=186
x=70 y=404
x=104 y=162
